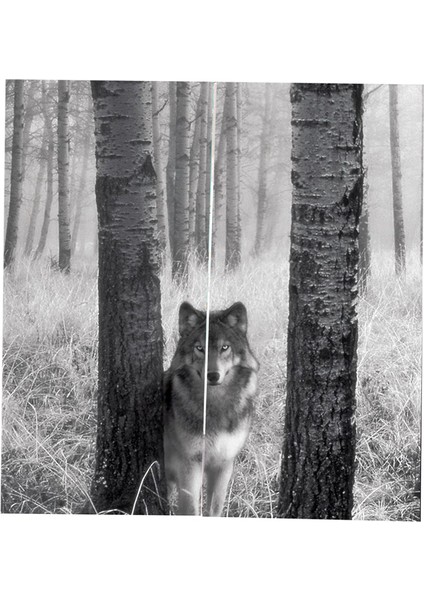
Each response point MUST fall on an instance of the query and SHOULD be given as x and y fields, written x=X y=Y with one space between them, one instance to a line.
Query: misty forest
x=314 y=224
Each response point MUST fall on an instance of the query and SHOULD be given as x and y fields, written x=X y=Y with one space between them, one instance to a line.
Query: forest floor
x=50 y=379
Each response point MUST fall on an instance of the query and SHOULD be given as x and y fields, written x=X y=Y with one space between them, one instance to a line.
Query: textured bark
x=194 y=172
x=130 y=421
x=233 y=233
x=63 y=176
x=364 y=242
x=263 y=172
x=319 y=444
x=160 y=184
x=182 y=176
x=170 y=167
x=399 y=228
x=42 y=159
x=81 y=190
x=11 y=238
x=219 y=183
x=201 y=203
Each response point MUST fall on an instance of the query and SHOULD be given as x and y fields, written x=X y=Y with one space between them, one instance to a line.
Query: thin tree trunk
x=319 y=440
x=265 y=148
x=194 y=172
x=364 y=241
x=219 y=184
x=399 y=229
x=233 y=234
x=160 y=184
x=28 y=119
x=42 y=158
x=63 y=177
x=80 y=193
x=182 y=176
x=11 y=238
x=170 y=167
x=201 y=242
x=129 y=448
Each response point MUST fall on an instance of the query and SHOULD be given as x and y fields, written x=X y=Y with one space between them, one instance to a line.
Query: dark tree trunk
x=11 y=238
x=182 y=176
x=233 y=233
x=63 y=176
x=170 y=167
x=399 y=229
x=263 y=172
x=130 y=422
x=319 y=441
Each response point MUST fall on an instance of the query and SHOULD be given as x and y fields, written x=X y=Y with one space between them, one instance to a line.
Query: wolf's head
x=227 y=345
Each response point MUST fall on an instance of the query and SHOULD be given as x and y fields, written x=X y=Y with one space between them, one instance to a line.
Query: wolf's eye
x=199 y=348
x=225 y=347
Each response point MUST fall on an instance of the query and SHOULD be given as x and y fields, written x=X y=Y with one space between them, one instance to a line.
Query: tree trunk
x=80 y=193
x=182 y=176
x=11 y=238
x=399 y=229
x=130 y=421
x=219 y=183
x=28 y=119
x=364 y=241
x=42 y=158
x=201 y=241
x=170 y=167
x=263 y=172
x=194 y=172
x=49 y=192
x=63 y=176
x=233 y=233
x=319 y=440
x=160 y=184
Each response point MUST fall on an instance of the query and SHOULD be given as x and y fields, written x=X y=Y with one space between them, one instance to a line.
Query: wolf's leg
x=218 y=479
x=189 y=484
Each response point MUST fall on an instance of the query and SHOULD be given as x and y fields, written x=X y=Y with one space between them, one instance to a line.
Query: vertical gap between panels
x=208 y=295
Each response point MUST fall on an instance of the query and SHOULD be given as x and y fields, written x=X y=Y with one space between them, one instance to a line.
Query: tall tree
x=29 y=242
x=201 y=202
x=265 y=148
x=11 y=238
x=170 y=166
x=233 y=231
x=219 y=183
x=63 y=176
x=182 y=176
x=319 y=440
x=130 y=421
x=160 y=184
x=399 y=228
x=194 y=172
x=81 y=189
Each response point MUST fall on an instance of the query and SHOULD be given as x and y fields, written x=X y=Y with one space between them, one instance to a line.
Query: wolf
x=231 y=385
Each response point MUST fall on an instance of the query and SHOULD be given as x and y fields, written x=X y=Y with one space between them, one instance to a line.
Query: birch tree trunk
x=194 y=173
x=130 y=422
x=11 y=238
x=182 y=176
x=263 y=172
x=319 y=441
x=219 y=183
x=160 y=184
x=63 y=176
x=170 y=167
x=399 y=229
x=201 y=242
x=233 y=233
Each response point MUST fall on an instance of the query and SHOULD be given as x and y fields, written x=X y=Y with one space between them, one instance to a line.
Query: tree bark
x=233 y=233
x=160 y=184
x=263 y=172
x=194 y=172
x=182 y=176
x=319 y=441
x=219 y=183
x=170 y=167
x=11 y=238
x=130 y=422
x=63 y=176
x=201 y=241
x=399 y=228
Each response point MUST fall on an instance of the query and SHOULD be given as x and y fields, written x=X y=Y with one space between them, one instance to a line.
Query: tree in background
x=399 y=228
x=11 y=237
x=319 y=441
x=182 y=177
x=201 y=202
x=160 y=184
x=42 y=159
x=263 y=172
x=63 y=176
x=233 y=227
x=170 y=166
x=130 y=422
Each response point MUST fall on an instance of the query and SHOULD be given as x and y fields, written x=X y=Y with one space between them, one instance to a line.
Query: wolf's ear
x=189 y=317
x=236 y=316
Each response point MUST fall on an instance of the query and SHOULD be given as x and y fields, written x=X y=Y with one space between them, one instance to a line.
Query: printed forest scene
x=212 y=299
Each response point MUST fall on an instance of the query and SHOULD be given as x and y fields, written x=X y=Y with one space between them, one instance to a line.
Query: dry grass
x=49 y=377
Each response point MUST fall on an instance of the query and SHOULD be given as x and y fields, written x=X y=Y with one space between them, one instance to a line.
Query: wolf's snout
x=213 y=377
